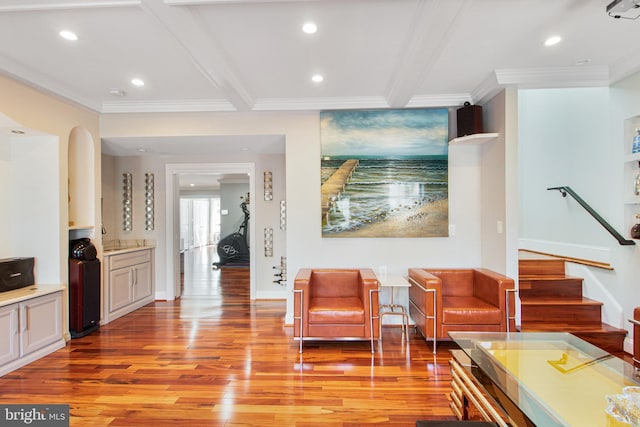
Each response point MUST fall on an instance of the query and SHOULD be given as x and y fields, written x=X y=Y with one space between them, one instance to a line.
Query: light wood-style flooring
x=215 y=358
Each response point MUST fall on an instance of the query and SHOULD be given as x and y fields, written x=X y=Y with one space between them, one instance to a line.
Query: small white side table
x=394 y=282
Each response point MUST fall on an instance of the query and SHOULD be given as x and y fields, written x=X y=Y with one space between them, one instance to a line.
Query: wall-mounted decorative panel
x=127 y=202
x=283 y=215
x=268 y=242
x=268 y=186
x=148 y=201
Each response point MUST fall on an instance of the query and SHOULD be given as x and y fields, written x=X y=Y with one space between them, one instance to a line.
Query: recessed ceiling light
x=245 y=148
x=68 y=35
x=317 y=78
x=141 y=150
x=583 y=61
x=137 y=82
x=309 y=28
x=192 y=185
x=553 y=40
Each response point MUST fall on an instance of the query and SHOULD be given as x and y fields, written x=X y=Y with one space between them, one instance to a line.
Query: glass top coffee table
x=552 y=379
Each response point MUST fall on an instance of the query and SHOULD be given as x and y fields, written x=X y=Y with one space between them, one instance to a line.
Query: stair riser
x=608 y=341
x=569 y=287
x=561 y=314
x=530 y=267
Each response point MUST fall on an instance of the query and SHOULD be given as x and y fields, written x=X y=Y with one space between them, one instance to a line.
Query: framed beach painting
x=385 y=173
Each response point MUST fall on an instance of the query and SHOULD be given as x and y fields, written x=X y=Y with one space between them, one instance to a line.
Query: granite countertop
x=22 y=294
x=124 y=249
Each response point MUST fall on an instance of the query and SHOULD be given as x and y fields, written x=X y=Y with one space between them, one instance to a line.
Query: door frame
x=173 y=171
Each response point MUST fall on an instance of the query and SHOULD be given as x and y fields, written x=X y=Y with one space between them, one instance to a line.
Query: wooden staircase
x=551 y=301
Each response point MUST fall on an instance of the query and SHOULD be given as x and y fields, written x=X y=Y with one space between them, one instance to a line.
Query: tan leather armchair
x=336 y=304
x=444 y=300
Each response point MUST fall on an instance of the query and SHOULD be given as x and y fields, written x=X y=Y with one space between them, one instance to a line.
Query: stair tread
x=548 y=277
x=564 y=327
x=554 y=300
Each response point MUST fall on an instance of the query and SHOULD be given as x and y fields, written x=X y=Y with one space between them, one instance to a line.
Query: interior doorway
x=199 y=236
x=173 y=243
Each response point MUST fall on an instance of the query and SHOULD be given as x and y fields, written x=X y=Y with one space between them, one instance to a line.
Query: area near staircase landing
x=551 y=301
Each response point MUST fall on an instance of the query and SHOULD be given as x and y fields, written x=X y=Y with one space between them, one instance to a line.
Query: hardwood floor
x=214 y=358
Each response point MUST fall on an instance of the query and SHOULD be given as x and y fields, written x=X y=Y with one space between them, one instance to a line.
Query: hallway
x=205 y=290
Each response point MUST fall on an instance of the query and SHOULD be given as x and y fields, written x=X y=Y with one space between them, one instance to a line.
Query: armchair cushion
x=336 y=310
x=469 y=310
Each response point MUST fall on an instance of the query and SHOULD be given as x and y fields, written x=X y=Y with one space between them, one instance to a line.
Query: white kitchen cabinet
x=9 y=342
x=34 y=326
x=40 y=322
x=129 y=282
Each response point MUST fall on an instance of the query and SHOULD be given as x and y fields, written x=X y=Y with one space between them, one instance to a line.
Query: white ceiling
x=251 y=55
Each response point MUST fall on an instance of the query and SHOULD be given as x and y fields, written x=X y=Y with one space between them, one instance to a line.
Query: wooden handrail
x=588 y=262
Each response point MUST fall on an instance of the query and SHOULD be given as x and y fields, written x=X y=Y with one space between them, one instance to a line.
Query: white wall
x=230 y=201
x=5 y=186
x=304 y=244
x=34 y=205
x=564 y=141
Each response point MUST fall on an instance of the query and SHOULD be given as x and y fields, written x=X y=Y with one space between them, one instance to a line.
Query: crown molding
x=486 y=90
x=540 y=78
x=300 y=104
x=584 y=76
x=217 y=2
x=167 y=106
x=442 y=100
x=38 y=81
x=23 y=6
x=625 y=67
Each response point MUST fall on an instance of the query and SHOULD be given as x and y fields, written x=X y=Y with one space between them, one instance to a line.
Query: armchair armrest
x=498 y=290
x=490 y=286
x=301 y=303
x=369 y=296
x=425 y=279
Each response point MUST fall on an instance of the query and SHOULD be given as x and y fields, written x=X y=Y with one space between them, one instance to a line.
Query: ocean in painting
x=389 y=195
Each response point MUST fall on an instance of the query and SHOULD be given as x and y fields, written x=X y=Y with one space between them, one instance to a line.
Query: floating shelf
x=475 y=139
x=81 y=227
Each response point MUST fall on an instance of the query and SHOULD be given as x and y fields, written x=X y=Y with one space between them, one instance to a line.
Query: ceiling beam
x=30 y=6
x=202 y=50
x=433 y=24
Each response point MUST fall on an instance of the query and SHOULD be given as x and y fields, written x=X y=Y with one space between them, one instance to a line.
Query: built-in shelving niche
x=81 y=167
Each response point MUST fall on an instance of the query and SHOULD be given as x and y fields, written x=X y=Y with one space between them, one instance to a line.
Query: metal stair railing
x=567 y=190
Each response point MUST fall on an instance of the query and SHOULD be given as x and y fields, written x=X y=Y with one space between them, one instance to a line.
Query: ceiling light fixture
x=553 y=40
x=137 y=82
x=68 y=35
x=618 y=8
x=141 y=150
x=317 y=78
x=309 y=28
x=117 y=92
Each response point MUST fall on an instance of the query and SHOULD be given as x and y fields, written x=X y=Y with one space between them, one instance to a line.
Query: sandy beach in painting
x=427 y=220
